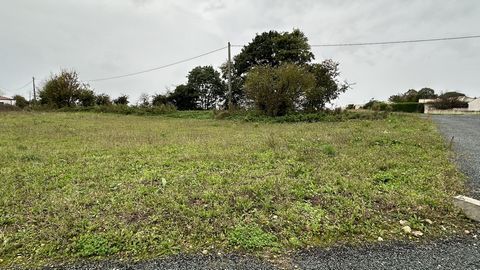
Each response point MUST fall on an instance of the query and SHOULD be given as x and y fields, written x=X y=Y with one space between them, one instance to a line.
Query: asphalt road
x=465 y=130
x=459 y=253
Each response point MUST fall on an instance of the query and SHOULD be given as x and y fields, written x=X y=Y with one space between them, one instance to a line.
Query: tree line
x=274 y=74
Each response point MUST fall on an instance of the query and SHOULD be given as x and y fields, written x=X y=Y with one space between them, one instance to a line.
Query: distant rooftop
x=5 y=98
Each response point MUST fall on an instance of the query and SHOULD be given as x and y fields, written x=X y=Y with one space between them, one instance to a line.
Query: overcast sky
x=102 y=38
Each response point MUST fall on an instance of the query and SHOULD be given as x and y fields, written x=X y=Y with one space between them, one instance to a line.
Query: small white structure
x=474 y=105
x=427 y=104
x=7 y=100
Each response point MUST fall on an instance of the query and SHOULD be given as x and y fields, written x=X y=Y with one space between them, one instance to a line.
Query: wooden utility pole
x=229 y=66
x=34 y=90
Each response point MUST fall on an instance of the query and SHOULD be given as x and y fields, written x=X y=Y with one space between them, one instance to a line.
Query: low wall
x=453 y=111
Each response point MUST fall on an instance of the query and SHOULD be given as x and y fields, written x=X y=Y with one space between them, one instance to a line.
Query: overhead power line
x=394 y=42
x=21 y=87
x=387 y=42
x=157 y=68
x=16 y=89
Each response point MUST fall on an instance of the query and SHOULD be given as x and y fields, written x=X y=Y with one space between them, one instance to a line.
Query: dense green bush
x=323 y=116
x=277 y=91
x=20 y=101
x=377 y=105
x=123 y=109
x=381 y=106
x=446 y=103
x=410 y=107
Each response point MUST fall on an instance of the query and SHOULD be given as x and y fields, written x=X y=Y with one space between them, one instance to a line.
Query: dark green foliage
x=377 y=105
x=159 y=99
x=121 y=100
x=426 y=93
x=62 y=90
x=184 y=98
x=381 y=106
x=20 y=101
x=238 y=95
x=369 y=104
x=209 y=89
x=124 y=109
x=452 y=94
x=103 y=100
x=277 y=90
x=323 y=116
x=86 y=97
x=410 y=107
x=327 y=86
x=413 y=95
x=446 y=102
x=273 y=48
x=350 y=106
x=144 y=100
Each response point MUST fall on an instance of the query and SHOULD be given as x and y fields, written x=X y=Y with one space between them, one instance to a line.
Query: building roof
x=477 y=100
x=5 y=98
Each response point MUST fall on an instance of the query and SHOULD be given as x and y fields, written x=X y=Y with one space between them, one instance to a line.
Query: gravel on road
x=452 y=254
x=465 y=131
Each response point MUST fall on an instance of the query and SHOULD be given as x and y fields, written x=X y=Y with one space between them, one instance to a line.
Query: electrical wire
x=314 y=45
x=395 y=42
x=21 y=87
x=16 y=89
x=388 y=42
x=156 y=68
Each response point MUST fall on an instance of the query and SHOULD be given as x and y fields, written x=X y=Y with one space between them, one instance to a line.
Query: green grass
x=77 y=185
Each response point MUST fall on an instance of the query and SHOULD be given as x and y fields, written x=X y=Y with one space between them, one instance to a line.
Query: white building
x=7 y=100
x=474 y=105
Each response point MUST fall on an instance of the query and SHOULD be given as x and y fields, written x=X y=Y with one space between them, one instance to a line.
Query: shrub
x=123 y=109
x=381 y=106
x=410 y=107
x=121 y=100
x=62 y=90
x=86 y=97
x=159 y=99
x=277 y=91
x=103 y=100
x=446 y=103
x=20 y=101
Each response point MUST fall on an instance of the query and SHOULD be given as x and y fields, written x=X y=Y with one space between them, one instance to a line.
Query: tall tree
x=273 y=48
x=184 y=98
x=206 y=83
x=86 y=97
x=62 y=90
x=278 y=90
x=238 y=96
x=426 y=93
x=121 y=100
x=143 y=100
x=327 y=85
x=103 y=100
x=159 y=99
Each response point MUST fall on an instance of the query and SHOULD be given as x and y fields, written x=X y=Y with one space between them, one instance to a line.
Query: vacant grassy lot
x=79 y=185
